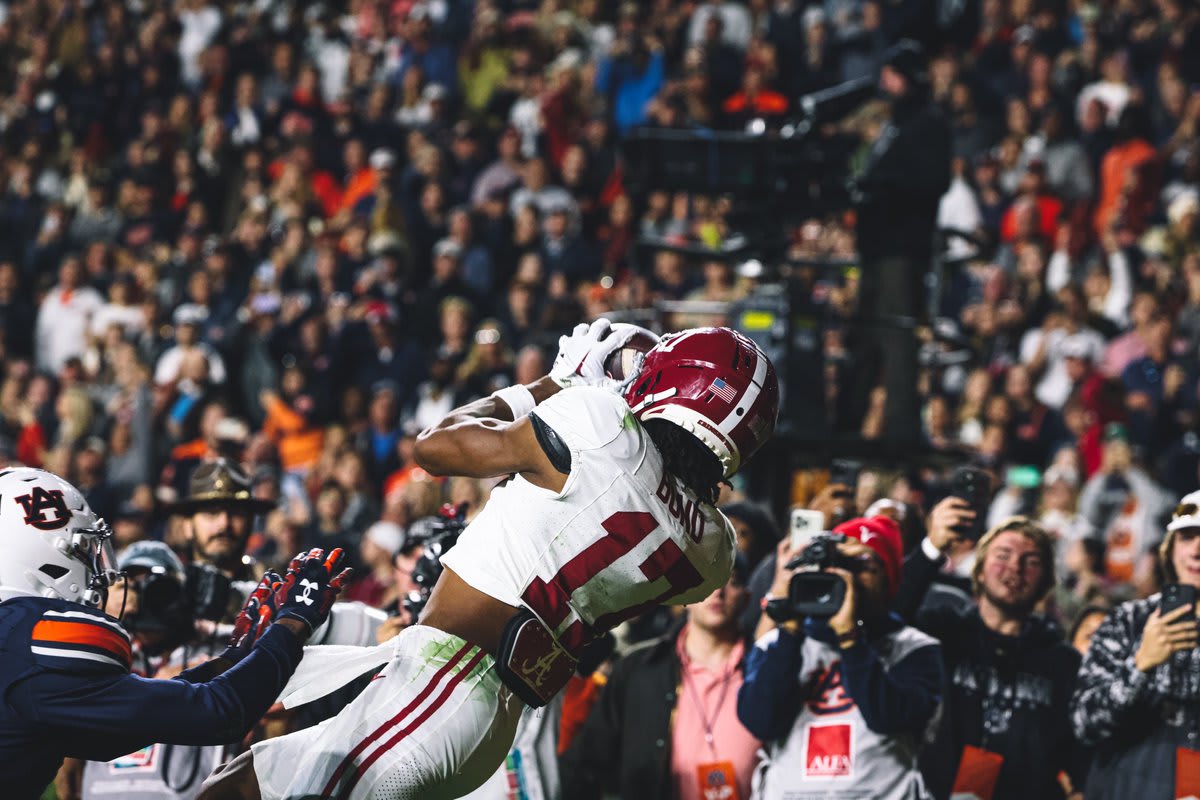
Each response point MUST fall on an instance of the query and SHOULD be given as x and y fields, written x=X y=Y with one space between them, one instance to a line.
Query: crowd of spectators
x=295 y=234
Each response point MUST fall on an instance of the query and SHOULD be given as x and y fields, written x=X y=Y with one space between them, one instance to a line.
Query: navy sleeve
x=203 y=673
x=892 y=700
x=133 y=712
x=770 y=696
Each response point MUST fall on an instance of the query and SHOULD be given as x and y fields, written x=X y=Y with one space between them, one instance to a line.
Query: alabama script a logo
x=38 y=502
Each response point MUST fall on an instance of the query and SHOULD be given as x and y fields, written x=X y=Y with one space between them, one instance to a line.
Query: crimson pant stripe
x=416 y=723
x=408 y=709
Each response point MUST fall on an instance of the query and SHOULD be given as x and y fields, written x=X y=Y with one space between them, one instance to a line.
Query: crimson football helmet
x=714 y=383
x=54 y=545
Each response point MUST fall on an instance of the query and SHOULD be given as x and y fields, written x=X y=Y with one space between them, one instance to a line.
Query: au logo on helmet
x=38 y=502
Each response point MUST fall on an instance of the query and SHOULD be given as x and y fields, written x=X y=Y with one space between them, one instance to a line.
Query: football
x=622 y=362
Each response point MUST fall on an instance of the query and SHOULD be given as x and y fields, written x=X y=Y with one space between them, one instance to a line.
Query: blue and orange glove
x=254 y=618
x=310 y=586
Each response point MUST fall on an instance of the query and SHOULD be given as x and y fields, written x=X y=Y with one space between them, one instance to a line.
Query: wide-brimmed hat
x=220 y=484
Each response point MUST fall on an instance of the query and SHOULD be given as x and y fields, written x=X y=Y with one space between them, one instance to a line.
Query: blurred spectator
x=188 y=320
x=631 y=74
x=290 y=426
x=906 y=172
x=1129 y=176
x=1124 y=506
x=1063 y=336
x=1133 y=702
x=64 y=316
x=376 y=586
x=666 y=721
x=1004 y=730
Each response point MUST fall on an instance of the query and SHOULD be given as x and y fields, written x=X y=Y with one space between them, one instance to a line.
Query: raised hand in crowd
x=947 y=516
x=1165 y=635
x=836 y=502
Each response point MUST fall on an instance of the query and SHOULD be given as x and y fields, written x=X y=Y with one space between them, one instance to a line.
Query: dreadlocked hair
x=686 y=457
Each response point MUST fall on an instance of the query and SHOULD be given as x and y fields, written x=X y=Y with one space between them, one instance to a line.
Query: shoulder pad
x=586 y=417
x=81 y=640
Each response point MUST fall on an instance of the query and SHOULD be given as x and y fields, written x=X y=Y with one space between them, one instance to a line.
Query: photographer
x=1136 y=700
x=841 y=700
x=1003 y=730
x=836 y=504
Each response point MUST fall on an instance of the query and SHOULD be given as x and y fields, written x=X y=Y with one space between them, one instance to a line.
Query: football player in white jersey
x=609 y=512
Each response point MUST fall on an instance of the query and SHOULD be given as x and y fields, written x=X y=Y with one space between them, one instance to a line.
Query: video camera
x=815 y=592
x=170 y=604
x=437 y=534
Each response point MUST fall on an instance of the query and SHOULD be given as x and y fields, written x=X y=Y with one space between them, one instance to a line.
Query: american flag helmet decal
x=723 y=390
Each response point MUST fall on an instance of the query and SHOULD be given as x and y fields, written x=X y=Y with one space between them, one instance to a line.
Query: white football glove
x=581 y=356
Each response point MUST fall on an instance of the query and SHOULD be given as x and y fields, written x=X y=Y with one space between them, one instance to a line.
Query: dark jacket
x=906 y=173
x=625 y=743
x=1135 y=720
x=1009 y=695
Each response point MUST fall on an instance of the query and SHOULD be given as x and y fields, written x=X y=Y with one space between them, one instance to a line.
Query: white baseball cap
x=1187 y=513
x=387 y=535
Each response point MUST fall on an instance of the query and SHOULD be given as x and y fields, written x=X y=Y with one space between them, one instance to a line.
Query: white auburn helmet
x=54 y=545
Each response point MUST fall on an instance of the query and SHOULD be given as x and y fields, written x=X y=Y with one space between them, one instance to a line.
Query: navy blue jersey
x=66 y=690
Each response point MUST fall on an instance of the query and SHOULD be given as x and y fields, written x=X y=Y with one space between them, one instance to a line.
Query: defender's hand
x=254 y=618
x=311 y=585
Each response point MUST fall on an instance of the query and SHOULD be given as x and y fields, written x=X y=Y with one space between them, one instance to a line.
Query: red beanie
x=882 y=535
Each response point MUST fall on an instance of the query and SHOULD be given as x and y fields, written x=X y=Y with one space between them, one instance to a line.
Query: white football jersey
x=621 y=537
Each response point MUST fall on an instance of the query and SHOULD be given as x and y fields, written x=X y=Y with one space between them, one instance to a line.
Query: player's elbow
x=430 y=452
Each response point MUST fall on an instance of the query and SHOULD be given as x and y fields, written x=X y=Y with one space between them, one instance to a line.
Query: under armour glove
x=310 y=586
x=254 y=618
x=581 y=356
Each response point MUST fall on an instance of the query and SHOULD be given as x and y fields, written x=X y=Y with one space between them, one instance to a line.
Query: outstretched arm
x=127 y=712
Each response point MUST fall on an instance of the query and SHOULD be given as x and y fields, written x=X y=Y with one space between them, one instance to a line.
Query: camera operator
x=1136 y=699
x=841 y=699
x=896 y=199
x=836 y=503
x=220 y=508
x=1004 y=728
